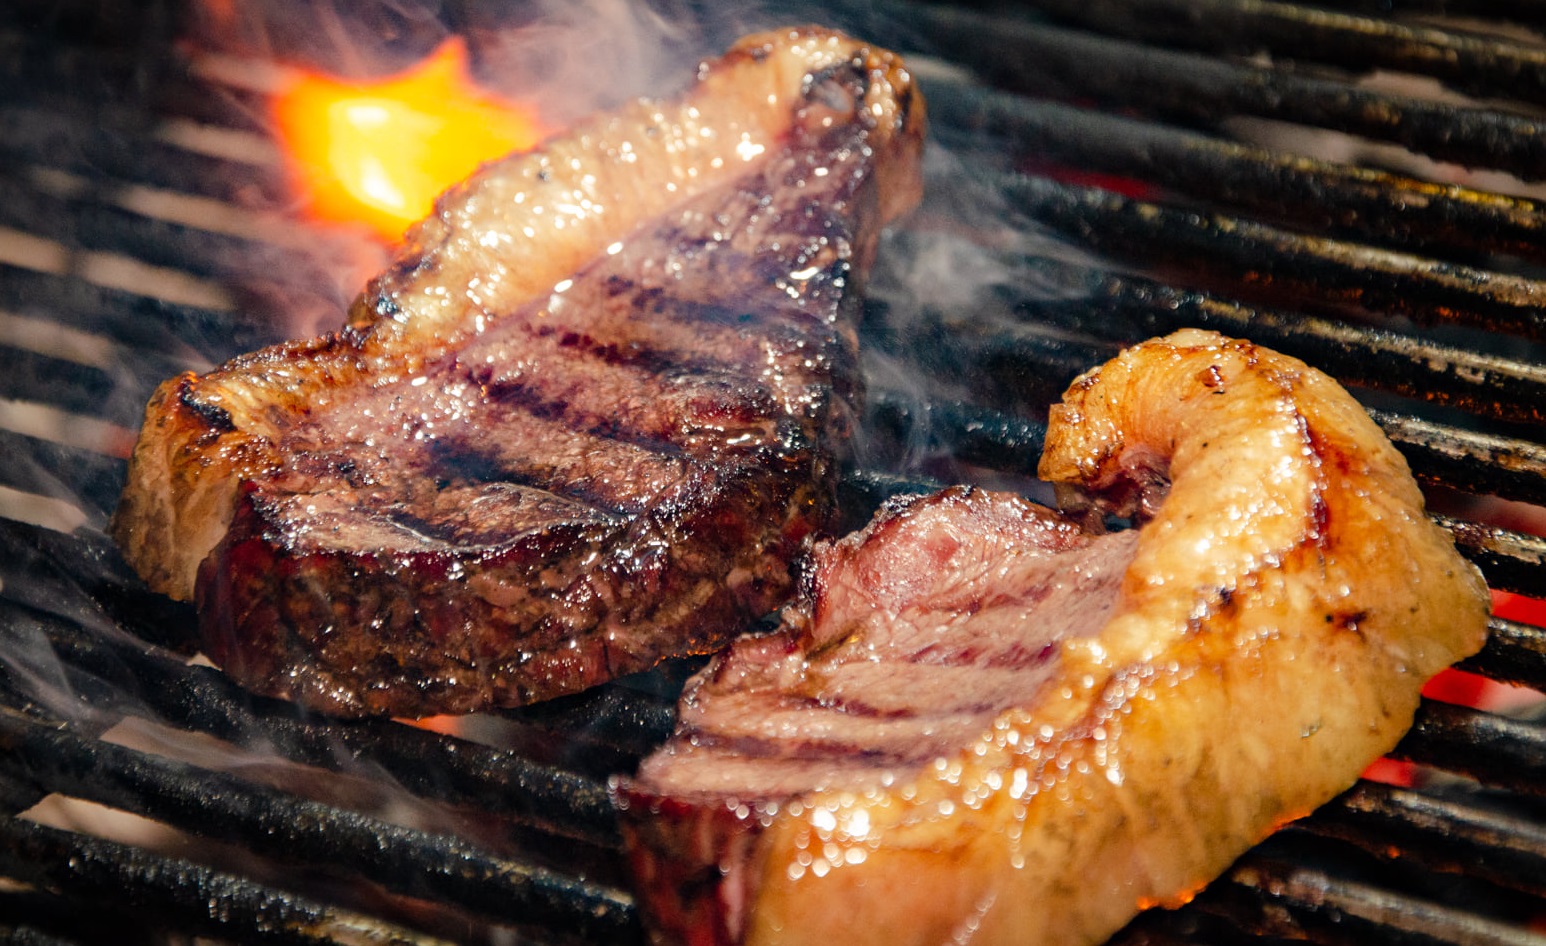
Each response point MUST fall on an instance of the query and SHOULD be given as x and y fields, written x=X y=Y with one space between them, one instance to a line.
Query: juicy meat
x=585 y=420
x=920 y=628
x=984 y=724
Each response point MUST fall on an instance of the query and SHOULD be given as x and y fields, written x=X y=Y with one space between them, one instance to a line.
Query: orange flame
x=380 y=152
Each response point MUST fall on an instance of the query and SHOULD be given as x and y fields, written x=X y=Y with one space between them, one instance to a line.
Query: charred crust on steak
x=217 y=417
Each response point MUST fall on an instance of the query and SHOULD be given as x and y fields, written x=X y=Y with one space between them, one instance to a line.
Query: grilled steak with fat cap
x=982 y=725
x=584 y=421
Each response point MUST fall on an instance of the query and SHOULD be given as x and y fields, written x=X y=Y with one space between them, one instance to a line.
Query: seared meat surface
x=982 y=724
x=922 y=626
x=585 y=421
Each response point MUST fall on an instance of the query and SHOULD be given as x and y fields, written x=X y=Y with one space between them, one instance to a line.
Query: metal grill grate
x=143 y=230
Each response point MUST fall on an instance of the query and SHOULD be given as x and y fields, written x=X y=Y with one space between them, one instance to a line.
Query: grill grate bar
x=1515 y=653
x=165 y=891
x=40 y=466
x=1375 y=205
x=1283 y=898
x=82 y=145
x=1020 y=369
x=1124 y=309
x=81 y=223
x=80 y=577
x=1475 y=462
x=968 y=432
x=614 y=715
x=82 y=75
x=1490 y=66
x=1497 y=751
x=1438 y=454
x=1032 y=368
x=1510 y=560
x=230 y=107
x=144 y=323
x=29 y=936
x=33 y=918
x=1446 y=834
x=68 y=386
x=296 y=831
x=1311 y=270
x=1524 y=12
x=1037 y=59
x=201 y=699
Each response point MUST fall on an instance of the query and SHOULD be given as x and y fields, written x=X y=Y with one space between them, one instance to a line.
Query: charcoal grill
x=1122 y=170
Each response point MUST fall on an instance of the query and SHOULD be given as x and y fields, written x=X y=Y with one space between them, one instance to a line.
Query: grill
x=1113 y=170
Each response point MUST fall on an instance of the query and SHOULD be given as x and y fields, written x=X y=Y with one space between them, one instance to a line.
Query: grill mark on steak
x=661 y=349
x=583 y=466
x=690 y=412
x=689 y=337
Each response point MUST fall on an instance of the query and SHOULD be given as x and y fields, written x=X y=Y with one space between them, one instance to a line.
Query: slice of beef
x=543 y=490
x=982 y=725
x=917 y=630
x=913 y=634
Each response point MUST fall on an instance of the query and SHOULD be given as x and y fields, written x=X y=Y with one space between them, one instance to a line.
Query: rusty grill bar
x=1423 y=295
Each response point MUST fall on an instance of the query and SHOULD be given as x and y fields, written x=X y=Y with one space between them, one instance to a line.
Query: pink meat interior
x=916 y=632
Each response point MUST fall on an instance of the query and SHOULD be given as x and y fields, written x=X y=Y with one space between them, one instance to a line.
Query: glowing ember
x=380 y=152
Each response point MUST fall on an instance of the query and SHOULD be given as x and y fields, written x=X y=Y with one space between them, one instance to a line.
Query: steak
x=985 y=722
x=586 y=420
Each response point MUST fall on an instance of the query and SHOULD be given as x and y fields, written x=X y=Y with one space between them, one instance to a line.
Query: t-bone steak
x=585 y=420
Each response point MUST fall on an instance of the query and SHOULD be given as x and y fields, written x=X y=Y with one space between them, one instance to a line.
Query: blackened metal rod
x=1443 y=833
x=1127 y=309
x=23 y=935
x=210 y=101
x=81 y=577
x=80 y=223
x=1376 y=205
x=1303 y=902
x=1312 y=269
x=611 y=714
x=1495 y=750
x=41 y=466
x=1037 y=58
x=64 y=385
x=136 y=321
x=428 y=764
x=1439 y=454
x=1514 y=653
x=85 y=145
x=177 y=893
x=60 y=71
x=293 y=830
x=1511 y=561
x=1524 y=12
x=63 y=923
x=1487 y=66
x=1476 y=462
x=1124 y=310
x=967 y=432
